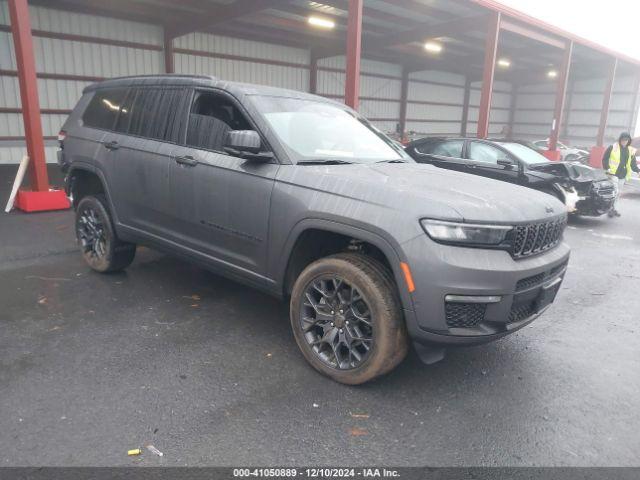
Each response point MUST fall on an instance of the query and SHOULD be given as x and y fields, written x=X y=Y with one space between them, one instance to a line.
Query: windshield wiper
x=396 y=160
x=324 y=161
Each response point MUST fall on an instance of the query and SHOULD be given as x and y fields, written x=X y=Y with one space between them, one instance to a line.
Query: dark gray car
x=301 y=197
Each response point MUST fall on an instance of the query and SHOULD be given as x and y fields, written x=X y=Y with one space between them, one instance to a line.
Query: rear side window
x=153 y=113
x=450 y=148
x=103 y=108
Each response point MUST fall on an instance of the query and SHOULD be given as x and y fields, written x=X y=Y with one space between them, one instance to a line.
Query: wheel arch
x=299 y=251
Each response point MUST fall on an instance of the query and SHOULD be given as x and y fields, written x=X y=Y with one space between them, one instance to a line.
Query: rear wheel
x=346 y=318
x=101 y=248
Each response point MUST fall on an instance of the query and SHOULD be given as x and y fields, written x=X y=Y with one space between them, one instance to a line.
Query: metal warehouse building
x=414 y=67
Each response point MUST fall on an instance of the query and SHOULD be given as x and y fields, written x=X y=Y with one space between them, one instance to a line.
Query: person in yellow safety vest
x=618 y=161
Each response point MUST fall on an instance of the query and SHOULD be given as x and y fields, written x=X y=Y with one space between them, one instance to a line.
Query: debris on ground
x=269 y=355
x=359 y=415
x=133 y=452
x=42 y=300
x=358 y=432
x=315 y=405
x=192 y=297
x=154 y=450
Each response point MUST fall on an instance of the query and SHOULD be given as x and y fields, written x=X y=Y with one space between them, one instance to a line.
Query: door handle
x=112 y=145
x=187 y=160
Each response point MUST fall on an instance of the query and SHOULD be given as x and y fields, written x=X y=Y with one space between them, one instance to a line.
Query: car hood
x=573 y=170
x=421 y=191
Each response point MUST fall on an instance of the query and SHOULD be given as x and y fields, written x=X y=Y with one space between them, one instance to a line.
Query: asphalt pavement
x=207 y=370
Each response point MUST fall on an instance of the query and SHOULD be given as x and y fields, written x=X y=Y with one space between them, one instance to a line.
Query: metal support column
x=465 y=107
x=169 y=65
x=490 y=52
x=354 y=43
x=561 y=93
x=23 y=44
x=404 y=93
x=313 y=73
x=597 y=152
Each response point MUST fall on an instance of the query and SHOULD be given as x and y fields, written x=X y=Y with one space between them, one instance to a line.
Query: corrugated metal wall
x=68 y=58
x=534 y=106
x=83 y=52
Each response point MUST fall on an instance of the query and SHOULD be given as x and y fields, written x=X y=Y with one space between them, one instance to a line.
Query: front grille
x=539 y=278
x=464 y=315
x=537 y=237
x=521 y=312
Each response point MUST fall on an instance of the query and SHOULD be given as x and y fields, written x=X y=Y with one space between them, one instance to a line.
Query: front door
x=485 y=160
x=220 y=203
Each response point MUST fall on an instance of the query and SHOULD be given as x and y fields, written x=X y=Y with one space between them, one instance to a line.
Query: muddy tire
x=99 y=244
x=347 y=318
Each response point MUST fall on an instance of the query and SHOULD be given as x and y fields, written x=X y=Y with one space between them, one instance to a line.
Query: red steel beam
x=23 y=44
x=490 y=53
x=465 y=107
x=313 y=73
x=404 y=93
x=169 y=66
x=604 y=113
x=354 y=47
x=561 y=93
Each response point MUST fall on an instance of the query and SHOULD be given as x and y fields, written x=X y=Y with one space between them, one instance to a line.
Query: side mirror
x=507 y=163
x=246 y=144
x=242 y=141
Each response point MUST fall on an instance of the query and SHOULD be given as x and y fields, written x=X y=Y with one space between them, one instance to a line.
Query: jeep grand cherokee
x=303 y=198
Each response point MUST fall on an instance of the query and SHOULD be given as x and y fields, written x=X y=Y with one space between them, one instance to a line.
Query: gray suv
x=303 y=198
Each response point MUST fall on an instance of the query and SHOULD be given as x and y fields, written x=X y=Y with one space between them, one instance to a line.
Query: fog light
x=473 y=298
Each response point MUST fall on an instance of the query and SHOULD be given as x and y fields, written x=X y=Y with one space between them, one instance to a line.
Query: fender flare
x=87 y=167
x=389 y=248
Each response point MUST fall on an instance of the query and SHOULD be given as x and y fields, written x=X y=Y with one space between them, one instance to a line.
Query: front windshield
x=318 y=131
x=526 y=154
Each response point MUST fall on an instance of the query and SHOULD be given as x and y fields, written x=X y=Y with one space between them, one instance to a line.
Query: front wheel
x=101 y=248
x=347 y=319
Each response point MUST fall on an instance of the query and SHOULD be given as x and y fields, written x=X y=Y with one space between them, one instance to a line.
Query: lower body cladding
x=470 y=296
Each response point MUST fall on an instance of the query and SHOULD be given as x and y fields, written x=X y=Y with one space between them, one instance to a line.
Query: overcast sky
x=612 y=23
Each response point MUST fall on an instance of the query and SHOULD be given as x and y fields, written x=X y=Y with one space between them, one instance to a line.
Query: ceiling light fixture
x=321 y=22
x=433 y=47
x=504 y=62
x=552 y=74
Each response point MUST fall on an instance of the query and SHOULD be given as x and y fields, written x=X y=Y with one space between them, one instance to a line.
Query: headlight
x=465 y=233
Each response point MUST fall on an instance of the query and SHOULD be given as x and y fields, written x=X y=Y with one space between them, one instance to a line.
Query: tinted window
x=526 y=154
x=152 y=113
x=483 y=152
x=450 y=148
x=103 y=108
x=211 y=117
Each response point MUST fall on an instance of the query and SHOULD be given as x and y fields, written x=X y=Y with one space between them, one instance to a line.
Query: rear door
x=145 y=132
x=444 y=153
x=483 y=160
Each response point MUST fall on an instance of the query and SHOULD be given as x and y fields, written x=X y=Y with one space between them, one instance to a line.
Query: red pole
x=313 y=73
x=465 y=107
x=23 y=44
x=354 y=40
x=561 y=91
x=404 y=93
x=490 y=52
x=169 y=66
x=604 y=113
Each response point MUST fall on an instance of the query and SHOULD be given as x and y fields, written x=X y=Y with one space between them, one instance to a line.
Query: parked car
x=583 y=189
x=568 y=154
x=303 y=198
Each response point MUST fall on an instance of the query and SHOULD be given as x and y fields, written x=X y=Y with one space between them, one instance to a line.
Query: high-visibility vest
x=614 y=159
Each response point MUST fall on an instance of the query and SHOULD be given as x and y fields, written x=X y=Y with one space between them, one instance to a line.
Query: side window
x=152 y=113
x=482 y=152
x=103 y=108
x=451 y=148
x=211 y=117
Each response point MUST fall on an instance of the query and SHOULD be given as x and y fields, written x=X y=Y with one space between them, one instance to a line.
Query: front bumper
x=522 y=290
